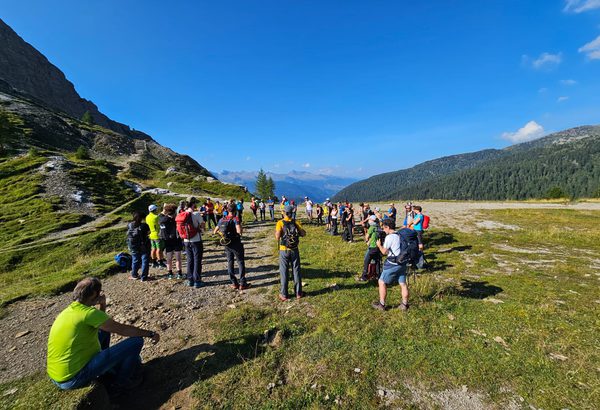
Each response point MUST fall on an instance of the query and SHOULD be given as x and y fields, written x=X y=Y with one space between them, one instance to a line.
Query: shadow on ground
x=170 y=374
x=477 y=289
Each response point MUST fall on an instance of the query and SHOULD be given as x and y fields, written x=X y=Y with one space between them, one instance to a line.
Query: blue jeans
x=122 y=360
x=392 y=273
x=139 y=259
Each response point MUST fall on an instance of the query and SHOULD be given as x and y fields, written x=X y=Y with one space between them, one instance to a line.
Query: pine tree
x=87 y=118
x=261 y=184
x=270 y=187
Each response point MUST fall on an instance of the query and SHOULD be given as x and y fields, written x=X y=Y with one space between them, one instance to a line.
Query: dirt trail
x=168 y=306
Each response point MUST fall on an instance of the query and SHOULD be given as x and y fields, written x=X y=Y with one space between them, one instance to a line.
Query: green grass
x=38 y=391
x=444 y=342
x=50 y=268
x=26 y=215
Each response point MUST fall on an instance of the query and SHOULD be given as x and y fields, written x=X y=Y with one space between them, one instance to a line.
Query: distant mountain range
x=566 y=162
x=294 y=184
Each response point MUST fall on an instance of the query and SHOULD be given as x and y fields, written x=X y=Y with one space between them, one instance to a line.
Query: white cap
x=152 y=208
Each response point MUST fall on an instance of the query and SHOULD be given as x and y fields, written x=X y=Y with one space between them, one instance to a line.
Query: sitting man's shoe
x=377 y=305
x=361 y=279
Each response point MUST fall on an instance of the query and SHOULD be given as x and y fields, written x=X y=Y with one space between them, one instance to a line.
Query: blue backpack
x=409 y=246
x=124 y=260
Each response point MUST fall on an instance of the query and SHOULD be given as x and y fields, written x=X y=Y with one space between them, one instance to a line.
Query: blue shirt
x=418 y=222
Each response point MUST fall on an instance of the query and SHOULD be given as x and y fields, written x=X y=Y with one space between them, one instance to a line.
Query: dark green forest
x=566 y=163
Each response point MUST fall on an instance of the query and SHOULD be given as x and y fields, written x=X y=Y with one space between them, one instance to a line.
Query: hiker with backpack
x=395 y=267
x=230 y=230
x=287 y=234
x=158 y=246
x=262 y=208
x=417 y=224
x=239 y=209
x=173 y=244
x=138 y=242
x=210 y=213
x=189 y=226
x=373 y=253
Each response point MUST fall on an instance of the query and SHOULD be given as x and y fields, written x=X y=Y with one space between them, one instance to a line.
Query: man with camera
x=78 y=344
x=394 y=268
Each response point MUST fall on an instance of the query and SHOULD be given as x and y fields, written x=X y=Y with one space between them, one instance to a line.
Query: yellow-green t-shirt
x=279 y=227
x=73 y=340
x=152 y=221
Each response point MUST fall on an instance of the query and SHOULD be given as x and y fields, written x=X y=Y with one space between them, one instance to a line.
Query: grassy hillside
x=567 y=163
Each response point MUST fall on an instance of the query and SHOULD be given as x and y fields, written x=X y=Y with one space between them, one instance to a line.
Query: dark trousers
x=419 y=237
x=289 y=259
x=194 y=252
x=211 y=220
x=372 y=253
x=235 y=250
x=334 y=226
x=262 y=214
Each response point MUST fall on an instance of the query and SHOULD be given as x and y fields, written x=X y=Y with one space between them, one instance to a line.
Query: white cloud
x=543 y=90
x=568 y=82
x=579 y=6
x=530 y=131
x=248 y=158
x=562 y=98
x=307 y=165
x=545 y=60
x=592 y=49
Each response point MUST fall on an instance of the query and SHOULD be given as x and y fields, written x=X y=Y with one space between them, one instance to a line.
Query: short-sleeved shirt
x=270 y=203
x=73 y=340
x=373 y=234
x=392 y=244
x=418 y=222
x=279 y=227
x=196 y=221
x=309 y=205
x=392 y=214
x=152 y=221
x=210 y=207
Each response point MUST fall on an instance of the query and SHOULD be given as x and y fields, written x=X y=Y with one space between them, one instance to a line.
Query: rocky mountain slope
x=567 y=162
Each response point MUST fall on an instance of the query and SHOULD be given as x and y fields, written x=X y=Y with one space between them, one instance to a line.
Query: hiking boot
x=361 y=279
x=191 y=283
x=162 y=265
x=179 y=275
x=377 y=305
x=155 y=264
x=244 y=286
x=403 y=306
x=134 y=277
x=234 y=286
x=198 y=284
x=283 y=298
x=170 y=275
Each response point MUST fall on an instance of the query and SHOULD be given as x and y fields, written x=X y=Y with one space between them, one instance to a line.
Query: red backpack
x=425 y=222
x=185 y=225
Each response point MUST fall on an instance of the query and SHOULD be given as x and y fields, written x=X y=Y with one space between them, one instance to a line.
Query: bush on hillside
x=82 y=153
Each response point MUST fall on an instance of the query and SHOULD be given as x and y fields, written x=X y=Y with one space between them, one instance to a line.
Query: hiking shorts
x=392 y=273
x=157 y=244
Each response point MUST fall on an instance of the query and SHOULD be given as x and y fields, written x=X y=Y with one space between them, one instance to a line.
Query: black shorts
x=173 y=245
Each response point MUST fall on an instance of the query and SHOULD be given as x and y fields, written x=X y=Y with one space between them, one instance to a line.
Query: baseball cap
x=152 y=208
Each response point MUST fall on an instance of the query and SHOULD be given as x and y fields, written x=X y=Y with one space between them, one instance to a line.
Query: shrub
x=556 y=193
x=82 y=153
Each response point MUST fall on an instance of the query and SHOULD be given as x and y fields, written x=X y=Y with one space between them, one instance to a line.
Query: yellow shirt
x=279 y=228
x=218 y=209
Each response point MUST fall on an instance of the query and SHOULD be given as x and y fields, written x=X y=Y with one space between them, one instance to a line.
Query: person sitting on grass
x=288 y=232
x=138 y=242
x=79 y=348
x=393 y=268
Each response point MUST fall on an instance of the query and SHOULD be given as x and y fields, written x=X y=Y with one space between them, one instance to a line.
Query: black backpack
x=291 y=237
x=168 y=228
x=227 y=228
x=135 y=236
x=409 y=246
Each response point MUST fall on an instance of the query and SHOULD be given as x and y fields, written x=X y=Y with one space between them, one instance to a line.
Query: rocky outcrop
x=26 y=71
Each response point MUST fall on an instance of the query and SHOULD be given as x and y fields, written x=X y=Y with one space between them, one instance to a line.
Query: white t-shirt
x=196 y=221
x=392 y=244
x=309 y=205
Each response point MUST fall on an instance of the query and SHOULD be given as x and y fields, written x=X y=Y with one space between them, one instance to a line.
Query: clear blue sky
x=349 y=87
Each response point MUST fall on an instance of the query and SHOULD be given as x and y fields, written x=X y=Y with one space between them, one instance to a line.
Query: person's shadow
x=167 y=375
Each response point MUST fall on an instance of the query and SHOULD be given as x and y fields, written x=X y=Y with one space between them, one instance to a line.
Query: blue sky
x=347 y=87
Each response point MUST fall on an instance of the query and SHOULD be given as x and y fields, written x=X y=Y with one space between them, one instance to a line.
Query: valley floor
x=506 y=317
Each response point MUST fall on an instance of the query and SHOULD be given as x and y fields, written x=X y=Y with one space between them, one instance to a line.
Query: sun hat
x=152 y=208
